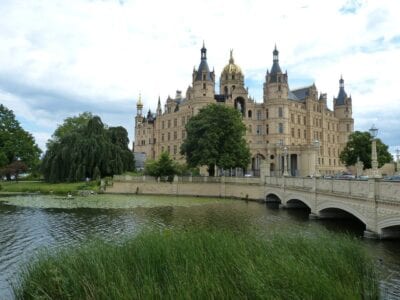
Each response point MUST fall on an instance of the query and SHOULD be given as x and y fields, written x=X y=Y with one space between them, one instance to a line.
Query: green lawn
x=205 y=264
x=46 y=188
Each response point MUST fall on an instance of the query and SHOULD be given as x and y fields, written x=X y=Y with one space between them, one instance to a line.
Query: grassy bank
x=205 y=264
x=47 y=188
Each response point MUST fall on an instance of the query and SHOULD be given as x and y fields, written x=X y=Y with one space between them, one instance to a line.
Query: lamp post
x=285 y=164
x=317 y=145
x=374 y=156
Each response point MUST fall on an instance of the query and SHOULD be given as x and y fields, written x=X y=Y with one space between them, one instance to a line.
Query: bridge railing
x=373 y=189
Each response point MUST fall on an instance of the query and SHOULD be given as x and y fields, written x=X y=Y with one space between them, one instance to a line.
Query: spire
x=203 y=52
x=342 y=93
x=139 y=102
x=203 y=72
x=159 y=111
x=275 y=65
x=139 y=106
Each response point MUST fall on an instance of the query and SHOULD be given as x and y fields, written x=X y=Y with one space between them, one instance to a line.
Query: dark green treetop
x=90 y=151
x=215 y=137
x=16 y=144
x=359 y=146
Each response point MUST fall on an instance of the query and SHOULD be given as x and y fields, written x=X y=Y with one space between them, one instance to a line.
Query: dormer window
x=233 y=76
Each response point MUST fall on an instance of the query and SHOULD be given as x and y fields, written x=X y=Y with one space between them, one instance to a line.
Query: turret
x=343 y=111
x=276 y=82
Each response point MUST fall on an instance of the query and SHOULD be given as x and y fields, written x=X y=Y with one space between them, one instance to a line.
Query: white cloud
x=59 y=58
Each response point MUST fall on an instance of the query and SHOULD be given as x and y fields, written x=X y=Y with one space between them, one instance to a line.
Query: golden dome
x=232 y=68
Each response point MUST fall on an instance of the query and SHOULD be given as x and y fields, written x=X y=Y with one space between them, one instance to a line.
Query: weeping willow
x=92 y=151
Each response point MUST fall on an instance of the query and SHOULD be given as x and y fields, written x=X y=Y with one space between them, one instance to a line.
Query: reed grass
x=205 y=264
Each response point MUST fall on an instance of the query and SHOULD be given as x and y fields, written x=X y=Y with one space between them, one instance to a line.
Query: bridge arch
x=297 y=201
x=389 y=227
x=273 y=198
x=333 y=210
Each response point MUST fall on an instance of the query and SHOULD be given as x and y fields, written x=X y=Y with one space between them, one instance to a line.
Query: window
x=292 y=132
x=175 y=122
x=267 y=129
x=175 y=135
x=233 y=76
x=162 y=137
x=298 y=133
x=169 y=123
x=298 y=119
x=259 y=129
x=348 y=127
x=280 y=128
x=204 y=76
x=163 y=124
x=305 y=120
x=183 y=121
x=266 y=114
x=175 y=149
x=162 y=149
x=183 y=134
x=204 y=86
x=169 y=149
x=250 y=129
x=249 y=114
x=258 y=114
x=169 y=136
x=280 y=112
x=305 y=134
x=292 y=117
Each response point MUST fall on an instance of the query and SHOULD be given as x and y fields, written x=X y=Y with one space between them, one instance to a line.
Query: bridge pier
x=368 y=234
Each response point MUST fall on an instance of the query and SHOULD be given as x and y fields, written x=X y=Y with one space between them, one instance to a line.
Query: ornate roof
x=231 y=67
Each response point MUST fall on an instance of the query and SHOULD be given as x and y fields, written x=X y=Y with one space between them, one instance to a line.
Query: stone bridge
x=376 y=203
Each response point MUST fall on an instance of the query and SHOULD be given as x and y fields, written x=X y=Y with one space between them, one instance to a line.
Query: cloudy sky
x=59 y=58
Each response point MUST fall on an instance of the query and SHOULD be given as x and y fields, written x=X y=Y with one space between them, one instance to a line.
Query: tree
x=162 y=167
x=70 y=125
x=92 y=151
x=215 y=137
x=359 y=146
x=16 y=144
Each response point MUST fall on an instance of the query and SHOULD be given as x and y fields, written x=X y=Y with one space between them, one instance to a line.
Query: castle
x=292 y=131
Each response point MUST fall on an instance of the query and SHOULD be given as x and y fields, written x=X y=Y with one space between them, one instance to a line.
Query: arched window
x=226 y=90
x=249 y=114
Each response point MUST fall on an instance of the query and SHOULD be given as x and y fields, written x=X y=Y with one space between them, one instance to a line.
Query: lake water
x=29 y=224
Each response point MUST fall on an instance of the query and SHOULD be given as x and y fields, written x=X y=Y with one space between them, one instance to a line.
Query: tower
x=276 y=90
x=343 y=111
x=203 y=79
x=276 y=82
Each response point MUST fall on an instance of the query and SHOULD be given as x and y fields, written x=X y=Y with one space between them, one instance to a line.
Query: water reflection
x=25 y=230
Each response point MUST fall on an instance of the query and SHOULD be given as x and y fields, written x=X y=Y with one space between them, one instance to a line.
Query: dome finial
x=231 y=61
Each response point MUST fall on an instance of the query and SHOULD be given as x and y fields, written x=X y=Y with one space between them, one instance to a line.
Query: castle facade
x=292 y=131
